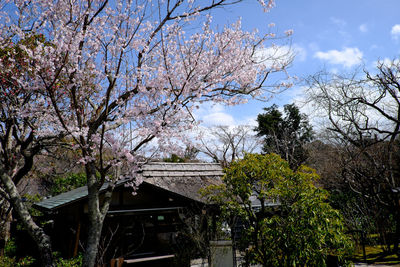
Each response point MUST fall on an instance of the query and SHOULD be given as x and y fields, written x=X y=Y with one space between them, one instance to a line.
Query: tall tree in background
x=225 y=144
x=362 y=116
x=285 y=134
x=359 y=213
x=117 y=63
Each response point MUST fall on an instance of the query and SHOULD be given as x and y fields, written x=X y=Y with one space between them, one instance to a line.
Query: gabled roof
x=184 y=179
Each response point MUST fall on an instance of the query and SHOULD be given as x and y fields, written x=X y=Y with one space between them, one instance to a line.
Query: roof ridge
x=183 y=163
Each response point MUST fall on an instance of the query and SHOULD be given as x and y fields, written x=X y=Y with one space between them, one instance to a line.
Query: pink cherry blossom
x=118 y=77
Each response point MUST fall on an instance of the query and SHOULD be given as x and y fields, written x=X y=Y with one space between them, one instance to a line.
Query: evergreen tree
x=285 y=134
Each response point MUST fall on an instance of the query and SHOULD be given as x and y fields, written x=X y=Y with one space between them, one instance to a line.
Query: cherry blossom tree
x=23 y=132
x=104 y=65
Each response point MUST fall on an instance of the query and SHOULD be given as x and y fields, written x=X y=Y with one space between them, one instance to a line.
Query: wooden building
x=146 y=229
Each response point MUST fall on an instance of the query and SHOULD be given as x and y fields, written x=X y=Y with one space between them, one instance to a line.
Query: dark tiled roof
x=62 y=199
x=66 y=198
x=184 y=179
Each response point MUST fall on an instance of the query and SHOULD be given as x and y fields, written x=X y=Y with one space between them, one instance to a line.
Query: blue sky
x=333 y=35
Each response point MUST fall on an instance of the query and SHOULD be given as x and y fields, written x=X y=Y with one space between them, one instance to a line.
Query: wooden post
x=117 y=262
x=363 y=245
x=78 y=232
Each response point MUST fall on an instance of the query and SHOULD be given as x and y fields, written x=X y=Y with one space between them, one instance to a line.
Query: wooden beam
x=149 y=258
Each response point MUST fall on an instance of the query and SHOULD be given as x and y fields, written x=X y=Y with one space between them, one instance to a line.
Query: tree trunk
x=396 y=239
x=95 y=221
x=93 y=239
x=5 y=221
x=96 y=213
x=37 y=233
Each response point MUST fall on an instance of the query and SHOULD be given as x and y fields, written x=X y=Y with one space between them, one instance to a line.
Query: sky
x=335 y=36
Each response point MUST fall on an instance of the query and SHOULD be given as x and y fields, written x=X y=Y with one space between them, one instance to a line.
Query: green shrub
x=9 y=259
x=68 y=182
x=73 y=262
x=286 y=219
x=6 y=261
x=10 y=248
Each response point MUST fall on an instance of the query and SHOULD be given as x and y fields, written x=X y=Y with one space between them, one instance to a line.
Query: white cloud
x=218 y=118
x=339 y=22
x=374 y=47
x=274 y=56
x=213 y=114
x=210 y=115
x=347 y=57
x=280 y=55
x=395 y=32
x=319 y=116
x=250 y=121
x=306 y=107
x=334 y=71
x=363 y=28
x=388 y=62
x=300 y=52
x=290 y=95
x=313 y=46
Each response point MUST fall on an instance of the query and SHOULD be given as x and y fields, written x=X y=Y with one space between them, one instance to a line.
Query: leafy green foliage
x=29 y=201
x=9 y=258
x=72 y=262
x=68 y=182
x=6 y=261
x=358 y=214
x=10 y=247
x=189 y=155
x=174 y=158
x=285 y=134
x=288 y=221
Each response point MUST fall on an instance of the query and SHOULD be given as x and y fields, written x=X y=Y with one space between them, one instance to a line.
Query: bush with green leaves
x=6 y=261
x=287 y=220
x=68 y=182
x=72 y=262
x=9 y=259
